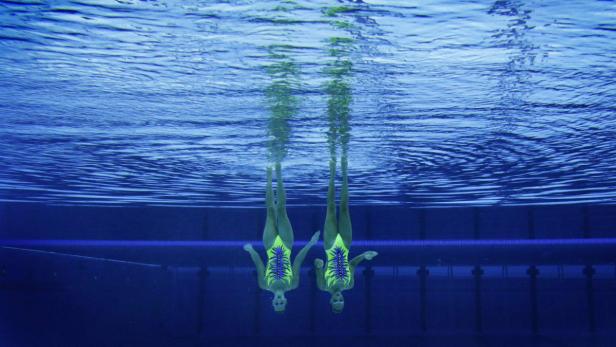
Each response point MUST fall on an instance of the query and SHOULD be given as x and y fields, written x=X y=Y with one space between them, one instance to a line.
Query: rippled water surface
x=186 y=102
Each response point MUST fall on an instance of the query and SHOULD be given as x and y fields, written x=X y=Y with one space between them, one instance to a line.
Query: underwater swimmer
x=339 y=273
x=278 y=276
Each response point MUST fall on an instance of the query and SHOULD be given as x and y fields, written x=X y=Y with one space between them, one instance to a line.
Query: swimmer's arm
x=256 y=258
x=318 y=270
x=299 y=259
x=368 y=255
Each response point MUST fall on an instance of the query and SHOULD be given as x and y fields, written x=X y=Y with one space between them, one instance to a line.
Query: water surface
x=171 y=102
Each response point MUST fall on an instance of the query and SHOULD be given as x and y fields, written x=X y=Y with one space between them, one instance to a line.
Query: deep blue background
x=169 y=297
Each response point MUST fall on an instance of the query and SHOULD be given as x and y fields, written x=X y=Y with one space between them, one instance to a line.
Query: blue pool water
x=165 y=103
x=481 y=147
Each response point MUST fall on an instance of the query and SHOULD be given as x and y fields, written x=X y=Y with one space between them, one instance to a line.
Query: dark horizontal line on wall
x=390 y=252
x=257 y=243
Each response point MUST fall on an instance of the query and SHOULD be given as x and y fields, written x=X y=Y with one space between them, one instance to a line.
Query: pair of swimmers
x=278 y=275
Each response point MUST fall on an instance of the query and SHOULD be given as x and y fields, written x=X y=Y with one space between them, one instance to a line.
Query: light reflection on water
x=166 y=103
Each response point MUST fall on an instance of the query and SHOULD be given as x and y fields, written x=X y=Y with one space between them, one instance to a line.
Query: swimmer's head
x=279 y=301
x=337 y=302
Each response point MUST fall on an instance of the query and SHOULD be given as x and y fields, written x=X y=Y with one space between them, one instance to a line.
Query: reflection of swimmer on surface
x=338 y=274
x=278 y=276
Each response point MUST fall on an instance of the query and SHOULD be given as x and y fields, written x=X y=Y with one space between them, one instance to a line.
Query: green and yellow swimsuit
x=338 y=270
x=278 y=263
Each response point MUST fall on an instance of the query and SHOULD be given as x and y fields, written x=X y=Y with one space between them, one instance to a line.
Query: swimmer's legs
x=344 y=221
x=284 y=225
x=330 y=230
x=269 y=231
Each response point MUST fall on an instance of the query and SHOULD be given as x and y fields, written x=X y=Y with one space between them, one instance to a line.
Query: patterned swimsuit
x=278 y=263
x=338 y=270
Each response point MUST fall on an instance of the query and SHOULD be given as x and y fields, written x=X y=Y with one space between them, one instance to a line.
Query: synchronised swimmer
x=278 y=275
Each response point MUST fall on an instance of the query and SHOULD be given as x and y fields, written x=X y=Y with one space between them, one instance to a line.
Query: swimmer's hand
x=370 y=254
x=248 y=247
x=315 y=237
x=318 y=263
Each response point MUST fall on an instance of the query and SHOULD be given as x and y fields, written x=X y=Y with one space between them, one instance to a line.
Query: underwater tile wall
x=179 y=305
x=18 y=221
x=158 y=303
